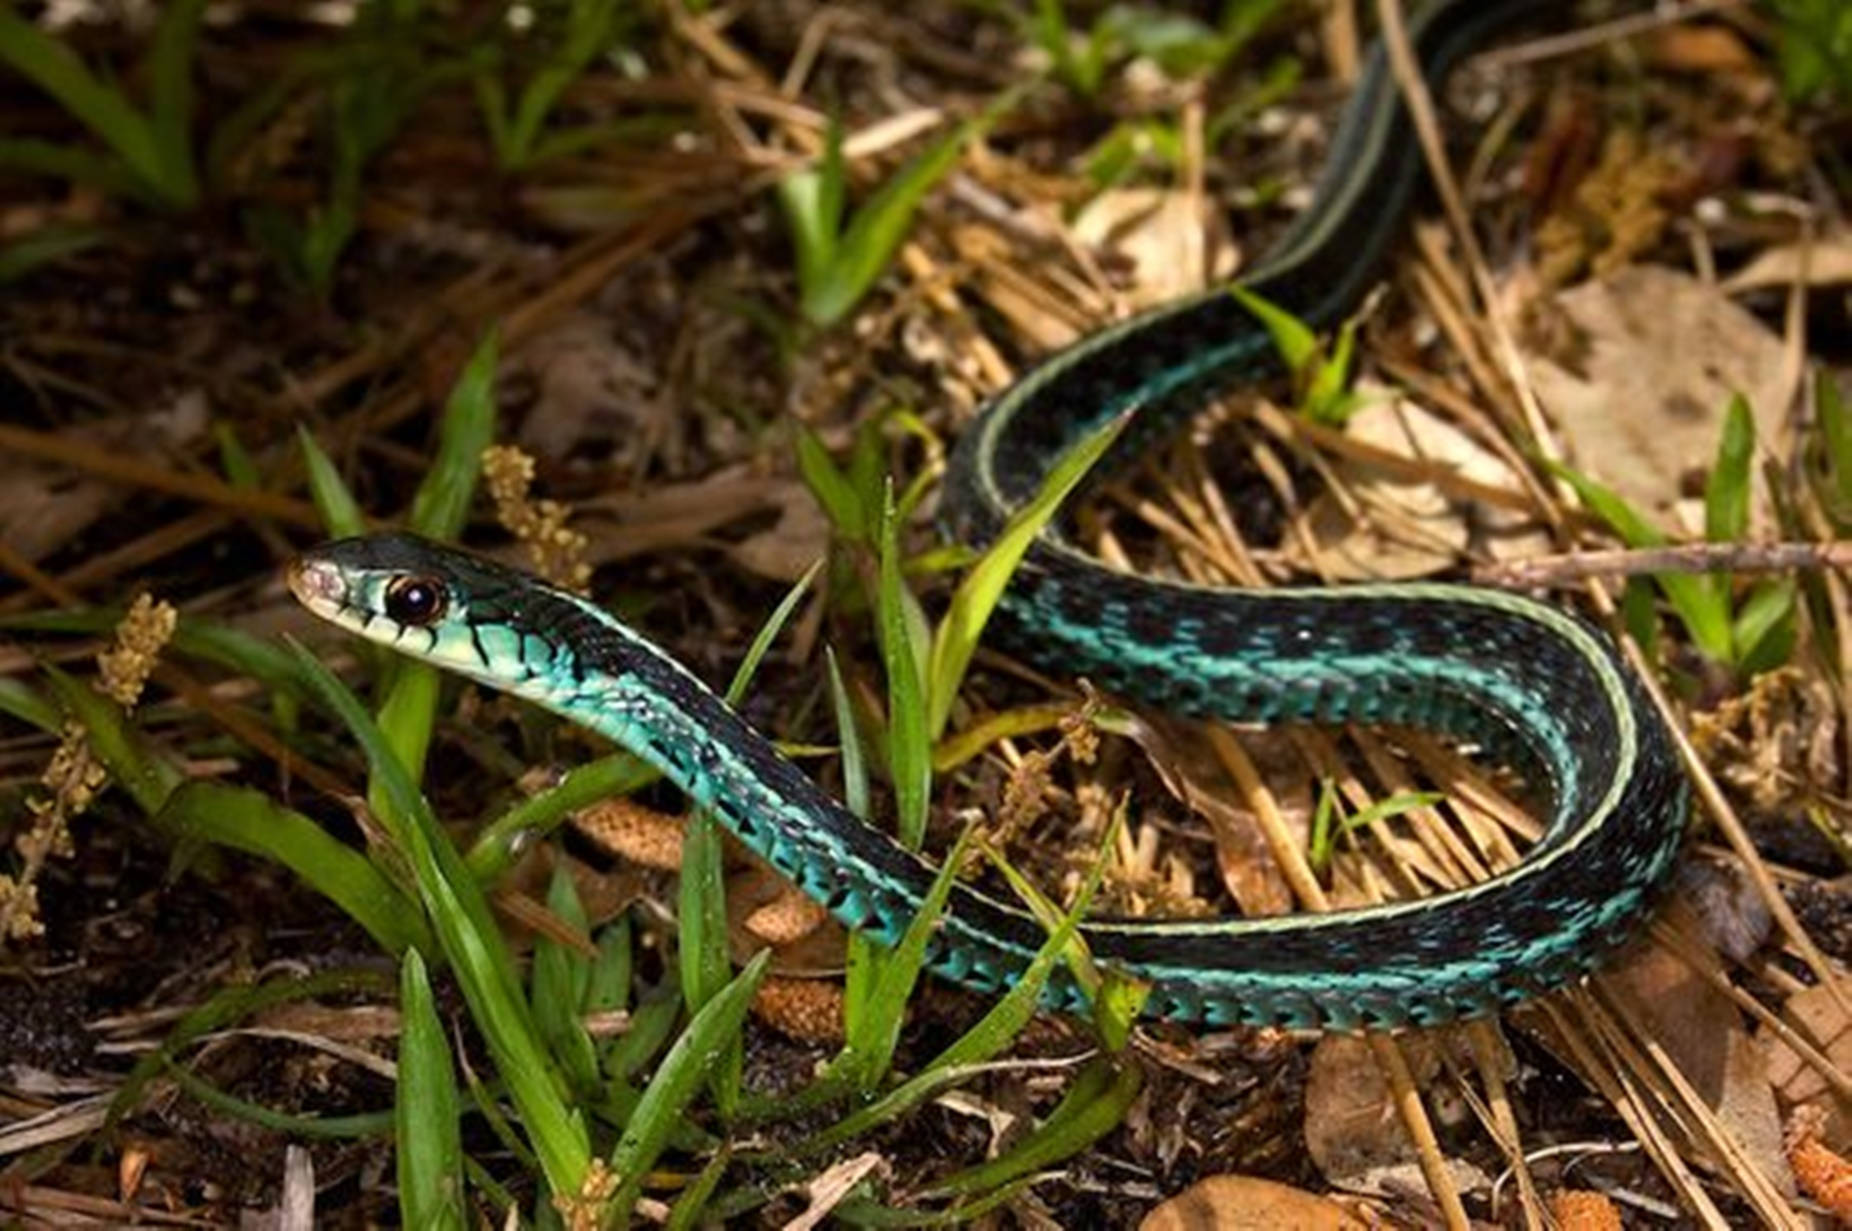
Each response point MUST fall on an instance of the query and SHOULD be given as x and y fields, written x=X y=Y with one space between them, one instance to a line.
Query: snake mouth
x=317 y=585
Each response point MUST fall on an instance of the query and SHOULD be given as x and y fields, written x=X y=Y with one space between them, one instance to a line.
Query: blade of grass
x=1092 y=1107
x=869 y=1051
x=681 y=1073
x=170 y=96
x=132 y=761
x=339 y=511
x=55 y=68
x=230 y=1005
x=465 y=929
x=250 y=821
x=557 y=987
x=909 y=743
x=983 y=586
x=430 y=1143
x=1705 y=615
x=706 y=965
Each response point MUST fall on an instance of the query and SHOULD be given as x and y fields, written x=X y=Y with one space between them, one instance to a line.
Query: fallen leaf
x=1815 y=1014
x=1161 y=233
x=590 y=385
x=1352 y=1129
x=1412 y=529
x=1640 y=397
x=1702 y=1032
x=1244 y=1203
x=44 y=508
x=1826 y=260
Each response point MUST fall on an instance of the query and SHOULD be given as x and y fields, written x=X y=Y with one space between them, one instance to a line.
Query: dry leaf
x=1641 y=394
x=1412 y=529
x=1352 y=1129
x=1815 y=1014
x=1824 y=261
x=787 y=550
x=1244 y=1203
x=590 y=385
x=43 y=508
x=1700 y=1029
x=1162 y=233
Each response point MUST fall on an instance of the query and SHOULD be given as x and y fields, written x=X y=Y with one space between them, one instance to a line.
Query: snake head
x=449 y=607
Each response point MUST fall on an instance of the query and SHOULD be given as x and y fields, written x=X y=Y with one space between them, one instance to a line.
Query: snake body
x=1519 y=677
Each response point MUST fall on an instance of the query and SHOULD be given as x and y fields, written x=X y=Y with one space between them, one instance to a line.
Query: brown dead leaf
x=787 y=550
x=1709 y=49
x=590 y=385
x=752 y=888
x=1412 y=529
x=1815 y=1014
x=1640 y=394
x=1189 y=769
x=1244 y=1203
x=44 y=508
x=1161 y=232
x=1352 y=1130
x=1824 y=261
x=1701 y=1030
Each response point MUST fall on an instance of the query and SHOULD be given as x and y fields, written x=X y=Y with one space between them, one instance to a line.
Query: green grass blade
x=55 y=68
x=1704 y=612
x=340 y=512
x=558 y=983
x=983 y=586
x=500 y=842
x=319 y=1128
x=442 y=503
x=430 y=1143
x=685 y=1214
x=79 y=164
x=854 y=767
x=1093 y=1106
x=706 y=964
x=1764 y=627
x=250 y=821
x=133 y=762
x=831 y=488
x=170 y=64
x=224 y=1007
x=45 y=245
x=681 y=1073
x=876 y=231
x=909 y=741
x=768 y=633
x=869 y=1052
x=460 y=917
x=1726 y=492
x=1292 y=337
x=18 y=699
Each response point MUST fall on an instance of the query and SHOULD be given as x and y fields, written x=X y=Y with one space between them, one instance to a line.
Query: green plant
x=572 y=38
x=1814 y=49
x=838 y=260
x=1748 y=635
x=1179 y=44
x=150 y=154
x=1321 y=379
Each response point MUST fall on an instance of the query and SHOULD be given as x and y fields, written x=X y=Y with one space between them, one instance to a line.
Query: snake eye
x=417 y=601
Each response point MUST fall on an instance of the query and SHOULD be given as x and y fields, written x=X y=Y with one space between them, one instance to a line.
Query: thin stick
x=1681 y=558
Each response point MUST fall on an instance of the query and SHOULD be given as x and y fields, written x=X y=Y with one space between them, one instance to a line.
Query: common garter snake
x=1518 y=676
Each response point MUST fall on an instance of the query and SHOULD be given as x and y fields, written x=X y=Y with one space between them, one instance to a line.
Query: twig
x=1680 y=558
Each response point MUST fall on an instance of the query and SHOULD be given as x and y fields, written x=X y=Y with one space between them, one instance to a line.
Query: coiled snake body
x=1521 y=678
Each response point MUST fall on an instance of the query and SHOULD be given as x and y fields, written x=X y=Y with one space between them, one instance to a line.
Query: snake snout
x=317 y=584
